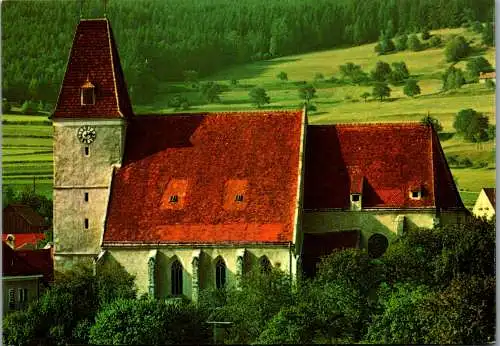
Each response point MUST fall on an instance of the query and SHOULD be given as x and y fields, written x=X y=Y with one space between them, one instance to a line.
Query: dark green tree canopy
x=258 y=97
x=381 y=90
x=382 y=72
x=411 y=88
x=472 y=125
x=457 y=48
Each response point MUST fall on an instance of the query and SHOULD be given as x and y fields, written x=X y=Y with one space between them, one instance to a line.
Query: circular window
x=377 y=244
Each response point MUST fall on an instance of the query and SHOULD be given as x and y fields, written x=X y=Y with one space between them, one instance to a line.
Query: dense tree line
x=161 y=40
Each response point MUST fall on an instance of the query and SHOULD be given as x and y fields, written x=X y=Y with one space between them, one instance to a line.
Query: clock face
x=86 y=134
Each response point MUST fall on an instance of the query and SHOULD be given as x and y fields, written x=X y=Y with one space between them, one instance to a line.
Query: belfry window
x=176 y=278
x=87 y=93
x=220 y=274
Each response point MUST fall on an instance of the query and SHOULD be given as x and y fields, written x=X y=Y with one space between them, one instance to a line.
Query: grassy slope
x=335 y=104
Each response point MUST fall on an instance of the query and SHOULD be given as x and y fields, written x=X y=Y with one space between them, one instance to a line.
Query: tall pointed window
x=220 y=273
x=176 y=278
x=265 y=265
x=87 y=93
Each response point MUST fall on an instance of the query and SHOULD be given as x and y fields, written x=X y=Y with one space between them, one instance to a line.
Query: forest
x=171 y=40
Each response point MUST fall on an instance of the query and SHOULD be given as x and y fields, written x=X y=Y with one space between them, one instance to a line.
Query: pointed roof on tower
x=93 y=66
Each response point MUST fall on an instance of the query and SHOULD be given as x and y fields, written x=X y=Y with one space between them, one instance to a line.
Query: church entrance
x=318 y=245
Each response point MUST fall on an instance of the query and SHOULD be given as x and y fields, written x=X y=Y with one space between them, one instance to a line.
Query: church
x=190 y=201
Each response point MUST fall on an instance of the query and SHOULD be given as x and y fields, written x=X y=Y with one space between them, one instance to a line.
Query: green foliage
x=385 y=45
x=490 y=84
x=477 y=27
x=433 y=122
x=191 y=77
x=211 y=91
x=282 y=76
x=59 y=315
x=258 y=97
x=381 y=90
x=29 y=107
x=149 y=321
x=400 y=321
x=435 y=41
x=353 y=72
x=488 y=35
x=411 y=88
x=382 y=72
x=476 y=65
x=401 y=42
x=365 y=95
x=472 y=125
x=492 y=129
x=179 y=102
x=453 y=78
x=156 y=48
x=250 y=307
x=426 y=34
x=307 y=92
x=414 y=43
x=399 y=73
x=318 y=76
x=456 y=48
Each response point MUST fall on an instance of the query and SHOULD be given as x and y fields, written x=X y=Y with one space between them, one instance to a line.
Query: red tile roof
x=491 y=194
x=27 y=262
x=24 y=239
x=94 y=58
x=206 y=160
x=391 y=158
x=27 y=213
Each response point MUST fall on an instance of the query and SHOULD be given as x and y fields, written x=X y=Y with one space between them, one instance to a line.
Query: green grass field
x=27 y=148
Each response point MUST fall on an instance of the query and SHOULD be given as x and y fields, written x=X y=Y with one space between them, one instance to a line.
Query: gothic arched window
x=176 y=278
x=265 y=265
x=220 y=273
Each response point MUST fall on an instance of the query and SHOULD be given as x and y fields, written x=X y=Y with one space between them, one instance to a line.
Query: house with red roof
x=25 y=274
x=191 y=201
x=21 y=218
x=485 y=205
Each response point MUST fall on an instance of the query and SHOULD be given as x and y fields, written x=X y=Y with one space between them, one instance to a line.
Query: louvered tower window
x=88 y=93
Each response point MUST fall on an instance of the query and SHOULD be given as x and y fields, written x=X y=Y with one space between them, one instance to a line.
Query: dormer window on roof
x=174 y=195
x=416 y=192
x=238 y=198
x=174 y=199
x=355 y=197
x=235 y=191
x=87 y=93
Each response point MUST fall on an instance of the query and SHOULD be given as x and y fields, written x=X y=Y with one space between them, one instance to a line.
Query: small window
x=87 y=151
x=174 y=199
x=86 y=223
x=238 y=198
x=220 y=274
x=416 y=194
x=355 y=197
x=86 y=196
x=23 y=295
x=12 y=298
x=176 y=278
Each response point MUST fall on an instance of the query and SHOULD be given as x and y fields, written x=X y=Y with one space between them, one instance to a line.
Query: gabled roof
x=392 y=159
x=27 y=262
x=206 y=160
x=94 y=59
x=27 y=213
x=490 y=192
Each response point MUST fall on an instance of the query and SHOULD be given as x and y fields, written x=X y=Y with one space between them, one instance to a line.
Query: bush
x=401 y=42
x=435 y=41
x=426 y=35
x=490 y=84
x=29 y=107
x=282 y=76
x=319 y=76
x=457 y=48
x=433 y=122
x=414 y=43
x=453 y=78
x=411 y=88
x=149 y=321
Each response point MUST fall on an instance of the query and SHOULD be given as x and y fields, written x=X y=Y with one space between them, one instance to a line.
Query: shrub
x=29 y=107
x=282 y=76
x=401 y=42
x=435 y=41
x=319 y=76
x=414 y=43
x=6 y=107
x=411 y=88
x=457 y=48
x=490 y=84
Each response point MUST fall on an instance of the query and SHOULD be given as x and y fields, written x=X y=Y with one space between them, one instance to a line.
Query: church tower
x=89 y=122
